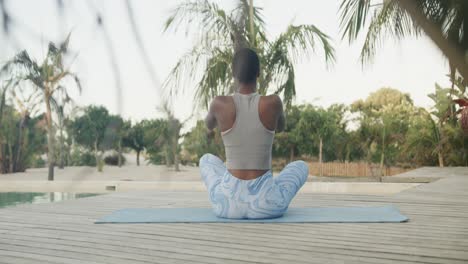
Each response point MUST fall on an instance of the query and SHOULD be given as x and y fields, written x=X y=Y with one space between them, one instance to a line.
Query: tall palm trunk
x=252 y=29
x=97 y=157
x=138 y=158
x=175 y=154
x=167 y=151
x=61 y=165
x=2 y=102
x=320 y=156
x=382 y=158
x=10 y=157
x=440 y=137
x=2 y=161
x=20 y=142
x=119 y=150
x=291 y=153
x=50 y=138
x=175 y=143
x=441 y=158
x=382 y=154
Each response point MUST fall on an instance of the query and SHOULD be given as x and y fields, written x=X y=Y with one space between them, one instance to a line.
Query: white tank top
x=248 y=143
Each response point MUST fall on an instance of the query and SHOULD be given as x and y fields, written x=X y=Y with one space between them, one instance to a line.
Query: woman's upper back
x=247 y=122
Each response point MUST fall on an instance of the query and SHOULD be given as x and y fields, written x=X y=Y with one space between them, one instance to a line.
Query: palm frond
x=186 y=70
x=77 y=81
x=353 y=16
x=288 y=88
x=23 y=62
x=296 y=42
x=300 y=40
x=57 y=107
x=221 y=34
x=53 y=62
x=200 y=14
x=64 y=44
x=389 y=19
x=28 y=68
x=66 y=74
x=242 y=20
x=217 y=77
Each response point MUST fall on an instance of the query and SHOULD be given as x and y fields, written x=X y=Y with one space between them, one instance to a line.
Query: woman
x=244 y=187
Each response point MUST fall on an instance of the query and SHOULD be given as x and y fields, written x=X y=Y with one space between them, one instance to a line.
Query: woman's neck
x=247 y=88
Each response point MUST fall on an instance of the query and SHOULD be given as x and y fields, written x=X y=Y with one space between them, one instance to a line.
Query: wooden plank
x=40 y=257
x=360 y=233
x=437 y=232
x=319 y=257
x=50 y=248
x=230 y=239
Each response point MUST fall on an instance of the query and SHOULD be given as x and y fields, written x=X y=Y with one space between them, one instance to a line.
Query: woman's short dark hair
x=245 y=65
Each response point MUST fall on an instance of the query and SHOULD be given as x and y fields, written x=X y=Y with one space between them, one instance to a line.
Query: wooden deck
x=64 y=232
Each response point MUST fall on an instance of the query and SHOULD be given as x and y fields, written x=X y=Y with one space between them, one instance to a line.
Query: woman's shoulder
x=272 y=100
x=220 y=102
x=221 y=99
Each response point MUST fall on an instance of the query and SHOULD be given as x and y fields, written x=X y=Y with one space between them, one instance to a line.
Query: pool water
x=16 y=198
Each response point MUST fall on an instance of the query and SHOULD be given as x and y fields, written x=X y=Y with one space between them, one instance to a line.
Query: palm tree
x=6 y=85
x=62 y=100
x=27 y=107
x=171 y=135
x=46 y=77
x=444 y=21
x=221 y=33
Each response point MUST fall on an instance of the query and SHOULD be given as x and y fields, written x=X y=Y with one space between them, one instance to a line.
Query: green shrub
x=113 y=159
x=38 y=162
x=100 y=166
x=83 y=158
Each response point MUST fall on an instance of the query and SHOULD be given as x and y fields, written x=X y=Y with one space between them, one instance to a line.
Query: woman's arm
x=281 y=122
x=210 y=119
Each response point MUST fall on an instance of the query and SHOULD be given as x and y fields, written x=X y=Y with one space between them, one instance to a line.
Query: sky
x=412 y=65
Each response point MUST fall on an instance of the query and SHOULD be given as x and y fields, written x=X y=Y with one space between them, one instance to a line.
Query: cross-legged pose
x=244 y=186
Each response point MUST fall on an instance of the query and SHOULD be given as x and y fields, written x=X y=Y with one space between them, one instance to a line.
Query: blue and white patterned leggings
x=263 y=197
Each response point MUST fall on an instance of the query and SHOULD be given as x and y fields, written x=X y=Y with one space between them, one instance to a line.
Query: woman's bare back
x=223 y=113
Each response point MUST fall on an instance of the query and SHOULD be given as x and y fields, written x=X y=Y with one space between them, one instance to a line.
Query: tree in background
x=220 y=33
x=441 y=114
x=338 y=147
x=8 y=137
x=286 y=143
x=27 y=106
x=20 y=150
x=435 y=136
x=444 y=22
x=89 y=130
x=115 y=133
x=157 y=141
x=134 y=139
x=317 y=126
x=62 y=103
x=423 y=141
x=46 y=77
x=197 y=142
x=384 y=119
x=462 y=103
x=5 y=86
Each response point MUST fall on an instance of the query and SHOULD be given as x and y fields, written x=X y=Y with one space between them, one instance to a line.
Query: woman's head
x=245 y=66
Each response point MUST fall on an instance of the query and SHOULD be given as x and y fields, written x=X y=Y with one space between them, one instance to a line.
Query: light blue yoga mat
x=382 y=214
